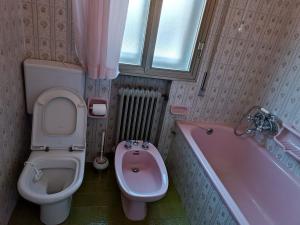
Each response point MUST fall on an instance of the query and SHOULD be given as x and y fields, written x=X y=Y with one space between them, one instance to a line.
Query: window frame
x=145 y=69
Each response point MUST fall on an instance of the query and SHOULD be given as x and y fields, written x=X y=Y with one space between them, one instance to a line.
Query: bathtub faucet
x=260 y=120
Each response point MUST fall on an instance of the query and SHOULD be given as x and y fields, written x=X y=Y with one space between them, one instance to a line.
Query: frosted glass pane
x=134 y=35
x=177 y=33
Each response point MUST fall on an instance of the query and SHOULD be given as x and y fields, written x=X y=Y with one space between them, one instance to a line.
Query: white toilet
x=55 y=167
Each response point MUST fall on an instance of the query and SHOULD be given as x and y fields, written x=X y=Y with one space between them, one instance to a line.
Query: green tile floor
x=98 y=202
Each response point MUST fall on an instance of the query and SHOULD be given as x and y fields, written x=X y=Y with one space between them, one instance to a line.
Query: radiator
x=139 y=114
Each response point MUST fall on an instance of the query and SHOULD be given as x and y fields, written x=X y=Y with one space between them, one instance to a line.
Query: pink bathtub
x=254 y=187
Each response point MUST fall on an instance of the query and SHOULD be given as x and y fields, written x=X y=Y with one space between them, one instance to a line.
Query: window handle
x=203 y=84
x=200 y=49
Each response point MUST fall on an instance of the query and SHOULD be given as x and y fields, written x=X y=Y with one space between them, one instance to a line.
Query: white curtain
x=99 y=27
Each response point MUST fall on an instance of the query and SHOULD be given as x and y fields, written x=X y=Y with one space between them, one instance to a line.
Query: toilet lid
x=59 y=121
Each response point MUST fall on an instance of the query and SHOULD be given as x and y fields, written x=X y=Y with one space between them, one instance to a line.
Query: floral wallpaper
x=95 y=127
x=257 y=62
x=48 y=30
x=14 y=133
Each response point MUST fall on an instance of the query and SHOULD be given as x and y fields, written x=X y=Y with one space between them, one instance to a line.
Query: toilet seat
x=59 y=121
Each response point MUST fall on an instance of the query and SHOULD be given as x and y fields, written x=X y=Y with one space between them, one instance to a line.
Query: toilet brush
x=101 y=163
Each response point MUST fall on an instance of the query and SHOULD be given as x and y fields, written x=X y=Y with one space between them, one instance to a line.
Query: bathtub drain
x=135 y=170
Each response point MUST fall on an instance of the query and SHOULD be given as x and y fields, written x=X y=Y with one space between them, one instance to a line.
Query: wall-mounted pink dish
x=178 y=110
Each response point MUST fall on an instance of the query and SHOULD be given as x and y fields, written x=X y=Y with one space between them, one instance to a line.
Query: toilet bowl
x=141 y=176
x=61 y=175
x=55 y=168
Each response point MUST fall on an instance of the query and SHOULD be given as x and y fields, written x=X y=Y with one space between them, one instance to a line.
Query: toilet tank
x=41 y=75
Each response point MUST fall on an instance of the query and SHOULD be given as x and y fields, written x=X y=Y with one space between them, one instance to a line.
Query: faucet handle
x=251 y=131
x=128 y=144
x=136 y=142
x=250 y=118
x=145 y=145
x=274 y=118
x=259 y=128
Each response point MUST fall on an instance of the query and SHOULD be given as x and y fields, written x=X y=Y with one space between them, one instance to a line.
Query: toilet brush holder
x=100 y=163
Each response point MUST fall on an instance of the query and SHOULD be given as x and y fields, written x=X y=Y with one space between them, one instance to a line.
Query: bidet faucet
x=38 y=173
x=128 y=144
x=145 y=145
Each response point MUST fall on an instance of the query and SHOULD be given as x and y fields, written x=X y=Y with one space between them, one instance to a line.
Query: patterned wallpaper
x=48 y=30
x=95 y=127
x=257 y=62
x=258 y=65
x=14 y=133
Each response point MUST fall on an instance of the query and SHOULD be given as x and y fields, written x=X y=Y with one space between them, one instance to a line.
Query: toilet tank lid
x=52 y=64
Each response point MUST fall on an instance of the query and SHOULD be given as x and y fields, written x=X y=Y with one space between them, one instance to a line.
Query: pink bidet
x=142 y=178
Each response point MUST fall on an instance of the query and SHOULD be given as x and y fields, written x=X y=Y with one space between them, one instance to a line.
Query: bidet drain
x=135 y=170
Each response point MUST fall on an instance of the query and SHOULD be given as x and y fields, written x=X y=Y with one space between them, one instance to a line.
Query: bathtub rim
x=186 y=128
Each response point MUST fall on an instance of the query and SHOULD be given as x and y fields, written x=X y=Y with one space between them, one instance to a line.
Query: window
x=165 y=38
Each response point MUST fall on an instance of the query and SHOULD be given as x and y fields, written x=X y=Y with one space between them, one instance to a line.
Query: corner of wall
x=14 y=129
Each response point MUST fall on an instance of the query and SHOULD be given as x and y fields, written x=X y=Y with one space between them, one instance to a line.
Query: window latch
x=200 y=49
